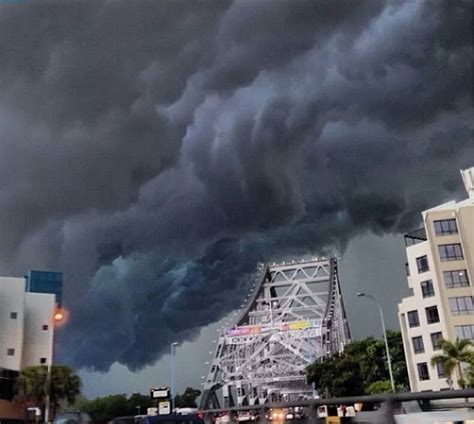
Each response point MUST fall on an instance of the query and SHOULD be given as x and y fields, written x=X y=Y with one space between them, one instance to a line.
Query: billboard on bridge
x=247 y=330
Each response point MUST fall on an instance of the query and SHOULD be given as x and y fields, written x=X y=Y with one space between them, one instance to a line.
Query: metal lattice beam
x=295 y=315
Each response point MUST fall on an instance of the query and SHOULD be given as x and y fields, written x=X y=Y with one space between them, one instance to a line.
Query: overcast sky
x=155 y=151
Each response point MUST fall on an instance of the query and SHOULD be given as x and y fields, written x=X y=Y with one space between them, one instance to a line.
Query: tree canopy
x=187 y=399
x=105 y=409
x=361 y=368
x=31 y=384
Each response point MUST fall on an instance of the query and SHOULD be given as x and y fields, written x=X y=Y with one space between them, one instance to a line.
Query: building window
x=423 y=373
x=13 y=315
x=418 y=346
x=456 y=278
x=436 y=339
x=407 y=269
x=42 y=360
x=10 y=351
x=450 y=252
x=427 y=288
x=465 y=331
x=45 y=327
x=445 y=227
x=422 y=264
x=440 y=370
x=462 y=305
x=413 y=319
x=432 y=315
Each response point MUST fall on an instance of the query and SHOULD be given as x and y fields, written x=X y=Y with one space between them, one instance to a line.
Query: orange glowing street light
x=59 y=315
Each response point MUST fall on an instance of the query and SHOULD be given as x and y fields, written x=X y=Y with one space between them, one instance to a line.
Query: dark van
x=160 y=419
x=173 y=419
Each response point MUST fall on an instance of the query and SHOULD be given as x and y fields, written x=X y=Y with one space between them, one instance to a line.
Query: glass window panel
x=456 y=278
x=465 y=331
x=418 y=346
x=440 y=370
x=422 y=264
x=427 y=289
x=436 y=339
x=445 y=227
x=450 y=252
x=413 y=319
x=423 y=373
x=432 y=315
x=461 y=305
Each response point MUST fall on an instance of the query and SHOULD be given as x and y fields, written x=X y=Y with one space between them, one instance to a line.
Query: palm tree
x=454 y=354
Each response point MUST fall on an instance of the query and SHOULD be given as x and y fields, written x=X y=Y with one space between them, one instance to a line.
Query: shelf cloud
x=155 y=151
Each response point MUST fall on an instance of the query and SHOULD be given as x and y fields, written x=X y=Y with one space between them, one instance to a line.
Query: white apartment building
x=26 y=325
x=440 y=272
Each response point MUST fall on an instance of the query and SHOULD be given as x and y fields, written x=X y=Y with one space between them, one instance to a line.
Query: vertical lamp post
x=172 y=366
x=57 y=318
x=389 y=361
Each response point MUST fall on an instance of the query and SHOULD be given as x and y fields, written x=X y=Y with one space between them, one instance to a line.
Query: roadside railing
x=388 y=405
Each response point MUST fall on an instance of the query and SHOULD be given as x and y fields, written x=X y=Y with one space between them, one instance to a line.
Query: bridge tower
x=295 y=315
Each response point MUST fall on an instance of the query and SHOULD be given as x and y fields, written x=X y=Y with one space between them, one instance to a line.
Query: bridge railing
x=390 y=403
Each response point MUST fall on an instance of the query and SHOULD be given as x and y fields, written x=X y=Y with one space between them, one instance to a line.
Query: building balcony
x=415 y=237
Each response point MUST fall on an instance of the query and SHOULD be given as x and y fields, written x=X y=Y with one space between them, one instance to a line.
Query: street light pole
x=172 y=367
x=57 y=317
x=382 y=319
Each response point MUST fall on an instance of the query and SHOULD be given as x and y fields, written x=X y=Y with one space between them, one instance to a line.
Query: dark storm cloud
x=156 y=151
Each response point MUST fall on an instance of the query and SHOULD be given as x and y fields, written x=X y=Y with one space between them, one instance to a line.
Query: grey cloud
x=156 y=152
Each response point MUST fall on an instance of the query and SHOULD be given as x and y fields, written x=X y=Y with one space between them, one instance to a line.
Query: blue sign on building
x=45 y=282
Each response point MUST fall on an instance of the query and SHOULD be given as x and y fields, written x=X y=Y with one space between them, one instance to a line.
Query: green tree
x=32 y=385
x=338 y=375
x=187 y=399
x=454 y=355
x=381 y=386
x=105 y=409
x=139 y=403
x=362 y=364
x=470 y=374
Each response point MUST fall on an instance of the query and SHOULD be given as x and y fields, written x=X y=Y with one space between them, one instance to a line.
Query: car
x=278 y=415
x=223 y=419
x=12 y=421
x=246 y=416
x=296 y=413
x=186 y=411
x=76 y=417
x=173 y=419
x=127 y=419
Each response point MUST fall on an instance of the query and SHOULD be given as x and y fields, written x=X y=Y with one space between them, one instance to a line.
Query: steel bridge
x=294 y=316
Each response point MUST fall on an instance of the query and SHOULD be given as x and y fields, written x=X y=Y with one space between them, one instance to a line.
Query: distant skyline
x=156 y=151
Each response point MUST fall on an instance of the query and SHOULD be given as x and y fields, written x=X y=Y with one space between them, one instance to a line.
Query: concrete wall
x=39 y=311
x=418 y=303
x=23 y=331
x=11 y=328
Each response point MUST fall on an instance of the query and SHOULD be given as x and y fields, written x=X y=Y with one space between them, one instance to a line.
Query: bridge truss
x=295 y=315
